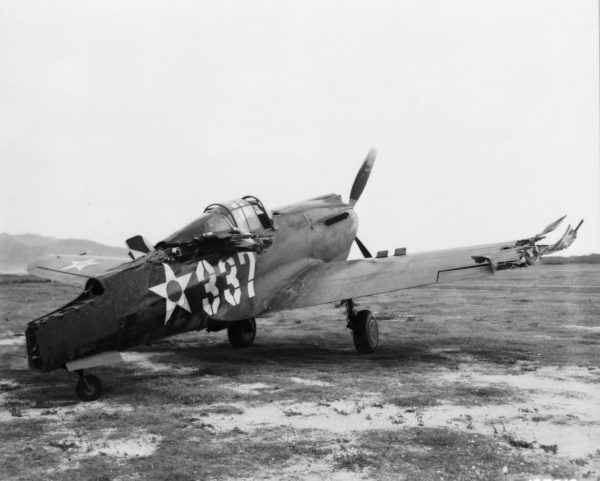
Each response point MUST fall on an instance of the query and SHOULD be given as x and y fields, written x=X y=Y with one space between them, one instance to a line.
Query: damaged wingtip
x=549 y=228
x=566 y=240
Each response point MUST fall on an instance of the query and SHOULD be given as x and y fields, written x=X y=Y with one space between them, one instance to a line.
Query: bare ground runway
x=494 y=379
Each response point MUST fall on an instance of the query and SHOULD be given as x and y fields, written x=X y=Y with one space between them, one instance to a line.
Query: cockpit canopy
x=245 y=215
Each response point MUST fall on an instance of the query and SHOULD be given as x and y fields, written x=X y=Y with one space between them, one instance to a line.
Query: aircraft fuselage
x=154 y=296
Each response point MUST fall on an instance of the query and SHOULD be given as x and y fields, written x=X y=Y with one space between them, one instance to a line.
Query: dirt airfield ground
x=494 y=380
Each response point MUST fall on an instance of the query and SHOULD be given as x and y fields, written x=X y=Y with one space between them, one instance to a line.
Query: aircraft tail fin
x=138 y=246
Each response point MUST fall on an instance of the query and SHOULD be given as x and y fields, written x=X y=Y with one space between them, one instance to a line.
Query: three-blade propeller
x=357 y=189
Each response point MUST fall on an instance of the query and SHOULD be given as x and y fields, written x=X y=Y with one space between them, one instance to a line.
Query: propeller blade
x=364 y=251
x=362 y=177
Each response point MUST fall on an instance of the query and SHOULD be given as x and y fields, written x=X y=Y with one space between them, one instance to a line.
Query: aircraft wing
x=73 y=269
x=336 y=281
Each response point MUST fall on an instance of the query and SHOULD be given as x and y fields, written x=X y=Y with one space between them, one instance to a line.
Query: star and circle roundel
x=173 y=291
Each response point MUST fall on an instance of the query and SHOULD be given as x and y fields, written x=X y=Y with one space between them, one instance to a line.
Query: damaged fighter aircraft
x=237 y=262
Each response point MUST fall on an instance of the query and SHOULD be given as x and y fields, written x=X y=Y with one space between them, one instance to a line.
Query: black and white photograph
x=299 y=240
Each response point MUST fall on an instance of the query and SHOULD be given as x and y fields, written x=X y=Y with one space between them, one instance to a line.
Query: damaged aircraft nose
x=75 y=330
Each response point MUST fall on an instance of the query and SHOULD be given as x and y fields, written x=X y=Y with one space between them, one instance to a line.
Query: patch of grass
x=21 y=429
x=303 y=393
x=291 y=412
x=312 y=451
x=518 y=443
x=219 y=409
x=422 y=453
x=218 y=370
x=549 y=448
x=62 y=445
x=477 y=395
x=95 y=419
x=21 y=279
x=414 y=400
x=179 y=476
x=355 y=461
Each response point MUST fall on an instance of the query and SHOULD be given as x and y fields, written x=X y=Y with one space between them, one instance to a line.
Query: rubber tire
x=242 y=334
x=89 y=388
x=365 y=332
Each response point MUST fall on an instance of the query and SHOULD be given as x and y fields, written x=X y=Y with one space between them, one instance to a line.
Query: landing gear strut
x=242 y=334
x=365 y=331
x=88 y=387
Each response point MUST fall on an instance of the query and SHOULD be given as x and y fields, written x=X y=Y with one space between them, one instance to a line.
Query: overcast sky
x=129 y=117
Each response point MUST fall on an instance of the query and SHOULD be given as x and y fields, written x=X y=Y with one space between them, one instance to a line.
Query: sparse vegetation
x=373 y=416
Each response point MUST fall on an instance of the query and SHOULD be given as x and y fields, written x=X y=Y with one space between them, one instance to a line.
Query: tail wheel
x=88 y=388
x=365 y=332
x=242 y=334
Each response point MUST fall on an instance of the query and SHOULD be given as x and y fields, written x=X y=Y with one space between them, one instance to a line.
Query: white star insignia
x=79 y=265
x=173 y=290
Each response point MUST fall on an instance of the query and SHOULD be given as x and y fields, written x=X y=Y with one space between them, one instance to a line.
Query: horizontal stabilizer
x=71 y=269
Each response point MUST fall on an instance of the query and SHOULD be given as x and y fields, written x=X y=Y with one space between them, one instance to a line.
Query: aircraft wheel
x=242 y=334
x=88 y=388
x=365 y=332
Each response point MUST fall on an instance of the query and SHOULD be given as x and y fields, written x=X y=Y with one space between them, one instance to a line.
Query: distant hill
x=587 y=259
x=16 y=251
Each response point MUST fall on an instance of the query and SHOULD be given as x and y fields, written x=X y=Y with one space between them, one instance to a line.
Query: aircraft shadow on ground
x=56 y=388
x=305 y=354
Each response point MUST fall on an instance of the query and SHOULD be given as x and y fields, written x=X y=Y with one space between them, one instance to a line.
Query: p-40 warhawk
x=236 y=262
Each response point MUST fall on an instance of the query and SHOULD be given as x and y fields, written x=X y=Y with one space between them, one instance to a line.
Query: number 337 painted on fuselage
x=220 y=289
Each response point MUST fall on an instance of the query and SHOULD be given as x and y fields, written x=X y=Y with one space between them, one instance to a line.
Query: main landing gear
x=88 y=387
x=242 y=334
x=365 y=331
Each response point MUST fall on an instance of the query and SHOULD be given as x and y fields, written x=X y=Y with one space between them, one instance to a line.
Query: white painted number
x=206 y=273
x=232 y=292
x=252 y=261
